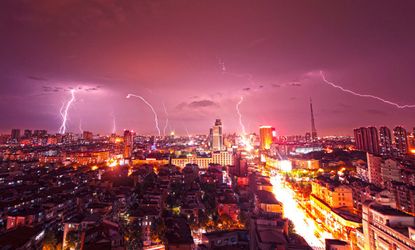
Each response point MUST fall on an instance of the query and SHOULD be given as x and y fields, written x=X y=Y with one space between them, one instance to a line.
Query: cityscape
x=193 y=125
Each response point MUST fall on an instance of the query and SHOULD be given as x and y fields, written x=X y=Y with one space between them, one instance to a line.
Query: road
x=303 y=224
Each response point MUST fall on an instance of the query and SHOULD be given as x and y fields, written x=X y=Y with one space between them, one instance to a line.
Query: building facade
x=266 y=136
x=387 y=228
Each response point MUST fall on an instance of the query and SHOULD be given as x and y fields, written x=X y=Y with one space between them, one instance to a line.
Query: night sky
x=199 y=57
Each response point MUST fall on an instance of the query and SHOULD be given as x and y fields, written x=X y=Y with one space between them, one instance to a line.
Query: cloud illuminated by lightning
x=64 y=112
x=364 y=95
x=156 y=119
x=167 y=120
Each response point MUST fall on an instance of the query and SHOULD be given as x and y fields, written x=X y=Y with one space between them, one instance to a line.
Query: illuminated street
x=303 y=224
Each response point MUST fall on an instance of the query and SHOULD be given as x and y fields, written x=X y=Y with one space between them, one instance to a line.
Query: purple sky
x=172 y=52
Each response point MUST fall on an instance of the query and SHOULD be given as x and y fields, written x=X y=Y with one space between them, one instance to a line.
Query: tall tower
x=216 y=136
x=313 y=125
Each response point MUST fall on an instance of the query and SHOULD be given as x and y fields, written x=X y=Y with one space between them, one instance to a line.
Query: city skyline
x=197 y=60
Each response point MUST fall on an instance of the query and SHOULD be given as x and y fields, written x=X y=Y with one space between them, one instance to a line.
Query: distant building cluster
x=398 y=143
x=214 y=191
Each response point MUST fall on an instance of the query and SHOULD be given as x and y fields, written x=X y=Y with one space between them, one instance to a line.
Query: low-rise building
x=267 y=203
x=223 y=158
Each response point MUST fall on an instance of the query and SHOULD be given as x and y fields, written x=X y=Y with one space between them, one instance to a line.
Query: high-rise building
x=15 y=134
x=374 y=165
x=266 y=137
x=307 y=137
x=367 y=139
x=27 y=133
x=373 y=140
x=87 y=135
x=128 y=144
x=359 y=134
x=40 y=133
x=411 y=143
x=401 y=141
x=385 y=137
x=216 y=136
x=313 y=125
x=240 y=165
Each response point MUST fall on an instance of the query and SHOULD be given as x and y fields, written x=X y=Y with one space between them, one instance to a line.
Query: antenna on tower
x=313 y=125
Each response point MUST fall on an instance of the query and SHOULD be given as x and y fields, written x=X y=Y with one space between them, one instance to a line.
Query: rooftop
x=387 y=210
x=266 y=197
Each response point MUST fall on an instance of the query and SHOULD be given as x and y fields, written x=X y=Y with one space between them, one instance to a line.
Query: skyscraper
x=40 y=133
x=266 y=137
x=87 y=135
x=216 y=136
x=313 y=125
x=401 y=141
x=128 y=144
x=367 y=139
x=411 y=143
x=385 y=137
x=27 y=133
x=15 y=134
x=373 y=140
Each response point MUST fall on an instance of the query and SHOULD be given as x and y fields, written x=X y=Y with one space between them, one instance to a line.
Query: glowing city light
x=64 y=112
x=365 y=95
x=285 y=165
x=156 y=119
x=304 y=225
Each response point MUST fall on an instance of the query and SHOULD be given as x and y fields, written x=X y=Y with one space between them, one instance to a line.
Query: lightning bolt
x=248 y=76
x=187 y=132
x=238 y=111
x=167 y=120
x=245 y=140
x=80 y=126
x=156 y=119
x=222 y=66
x=365 y=95
x=64 y=112
x=114 y=124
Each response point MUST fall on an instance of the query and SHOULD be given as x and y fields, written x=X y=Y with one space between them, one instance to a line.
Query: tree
x=50 y=242
x=133 y=234
x=203 y=219
x=243 y=220
x=158 y=230
x=225 y=222
x=72 y=240
x=291 y=228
